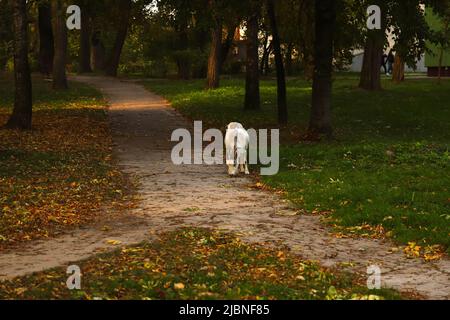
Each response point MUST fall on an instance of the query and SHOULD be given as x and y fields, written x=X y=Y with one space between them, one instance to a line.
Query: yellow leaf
x=20 y=291
x=113 y=242
x=178 y=286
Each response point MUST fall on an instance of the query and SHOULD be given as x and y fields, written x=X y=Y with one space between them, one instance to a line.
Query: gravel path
x=204 y=196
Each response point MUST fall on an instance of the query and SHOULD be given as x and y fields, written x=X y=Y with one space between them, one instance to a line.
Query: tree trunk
x=252 y=94
x=264 y=65
x=85 y=39
x=306 y=44
x=264 y=45
x=370 y=78
x=320 y=121
x=213 y=76
x=398 y=74
x=60 y=32
x=289 y=51
x=98 y=54
x=114 y=59
x=22 y=112
x=227 y=44
x=2 y=64
x=183 y=62
x=441 y=59
x=46 y=43
x=281 y=78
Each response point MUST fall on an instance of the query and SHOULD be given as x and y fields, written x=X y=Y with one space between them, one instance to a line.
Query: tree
x=281 y=78
x=227 y=44
x=214 y=60
x=296 y=28
x=441 y=36
x=178 y=15
x=406 y=21
x=410 y=31
x=398 y=73
x=370 y=78
x=60 y=32
x=267 y=50
x=6 y=33
x=22 y=112
x=444 y=44
x=124 y=12
x=252 y=94
x=46 y=43
x=85 y=38
x=325 y=18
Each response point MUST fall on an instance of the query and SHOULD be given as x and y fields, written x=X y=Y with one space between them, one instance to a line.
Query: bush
x=233 y=67
x=148 y=69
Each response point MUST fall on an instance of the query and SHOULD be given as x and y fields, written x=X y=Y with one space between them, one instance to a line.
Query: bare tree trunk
x=85 y=39
x=264 y=67
x=252 y=94
x=60 y=32
x=398 y=75
x=23 y=108
x=281 y=78
x=371 y=70
x=320 y=121
x=213 y=76
x=370 y=78
x=227 y=44
x=114 y=59
x=306 y=45
x=290 y=49
x=46 y=43
x=182 y=61
x=98 y=54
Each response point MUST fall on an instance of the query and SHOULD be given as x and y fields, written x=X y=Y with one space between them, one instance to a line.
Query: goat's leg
x=230 y=160
x=243 y=161
x=246 y=168
x=239 y=161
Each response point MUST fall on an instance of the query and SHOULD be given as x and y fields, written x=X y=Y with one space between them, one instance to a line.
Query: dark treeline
x=207 y=38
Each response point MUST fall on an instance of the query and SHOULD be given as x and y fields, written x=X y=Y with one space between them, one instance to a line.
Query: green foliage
x=147 y=69
x=410 y=30
x=438 y=20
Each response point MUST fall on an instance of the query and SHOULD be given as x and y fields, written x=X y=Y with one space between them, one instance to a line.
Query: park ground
x=384 y=176
x=386 y=171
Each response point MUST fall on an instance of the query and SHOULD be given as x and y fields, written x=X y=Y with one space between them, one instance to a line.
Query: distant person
x=390 y=63
x=383 y=62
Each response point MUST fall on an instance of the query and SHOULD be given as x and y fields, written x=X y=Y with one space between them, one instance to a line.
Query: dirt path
x=204 y=196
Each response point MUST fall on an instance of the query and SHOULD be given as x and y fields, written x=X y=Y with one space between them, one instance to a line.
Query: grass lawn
x=387 y=172
x=60 y=173
x=195 y=264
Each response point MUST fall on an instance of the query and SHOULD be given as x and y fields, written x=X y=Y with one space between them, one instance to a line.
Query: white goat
x=237 y=141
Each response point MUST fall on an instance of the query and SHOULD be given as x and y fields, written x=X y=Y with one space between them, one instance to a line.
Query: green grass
x=389 y=163
x=195 y=264
x=79 y=96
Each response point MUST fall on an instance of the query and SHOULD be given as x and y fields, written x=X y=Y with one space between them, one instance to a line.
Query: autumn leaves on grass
x=60 y=174
x=195 y=264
